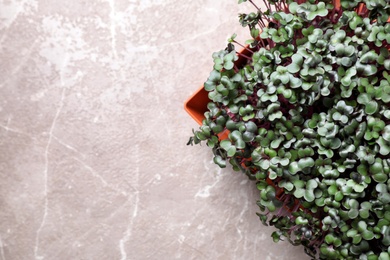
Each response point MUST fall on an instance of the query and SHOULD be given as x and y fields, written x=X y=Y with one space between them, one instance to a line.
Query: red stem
x=246 y=48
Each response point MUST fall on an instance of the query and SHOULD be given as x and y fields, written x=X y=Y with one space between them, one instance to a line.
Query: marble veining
x=93 y=161
x=45 y=177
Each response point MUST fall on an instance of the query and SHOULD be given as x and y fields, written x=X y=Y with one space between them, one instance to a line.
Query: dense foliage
x=307 y=116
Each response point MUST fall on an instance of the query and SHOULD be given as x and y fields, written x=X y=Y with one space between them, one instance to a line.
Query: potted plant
x=304 y=111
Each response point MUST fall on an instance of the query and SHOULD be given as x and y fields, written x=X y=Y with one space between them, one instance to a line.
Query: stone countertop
x=93 y=155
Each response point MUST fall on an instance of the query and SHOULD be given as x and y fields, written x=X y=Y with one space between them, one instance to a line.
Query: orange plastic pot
x=196 y=105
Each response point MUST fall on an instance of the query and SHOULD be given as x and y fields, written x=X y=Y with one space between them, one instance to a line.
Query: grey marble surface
x=93 y=161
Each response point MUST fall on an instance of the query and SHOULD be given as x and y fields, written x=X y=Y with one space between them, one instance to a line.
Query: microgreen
x=305 y=108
